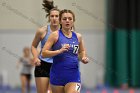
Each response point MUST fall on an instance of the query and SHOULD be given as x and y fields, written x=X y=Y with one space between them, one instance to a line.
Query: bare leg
x=57 y=89
x=23 y=83
x=49 y=89
x=72 y=87
x=42 y=84
x=28 y=86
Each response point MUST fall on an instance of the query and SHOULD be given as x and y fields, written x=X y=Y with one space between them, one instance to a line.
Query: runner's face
x=67 y=20
x=54 y=17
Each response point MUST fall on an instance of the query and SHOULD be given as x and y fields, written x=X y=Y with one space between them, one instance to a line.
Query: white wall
x=19 y=20
x=27 y=14
x=14 y=43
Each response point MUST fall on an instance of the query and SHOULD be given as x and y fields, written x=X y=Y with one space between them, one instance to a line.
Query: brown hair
x=66 y=11
x=48 y=6
x=26 y=49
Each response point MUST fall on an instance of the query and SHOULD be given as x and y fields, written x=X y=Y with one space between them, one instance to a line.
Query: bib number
x=76 y=48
